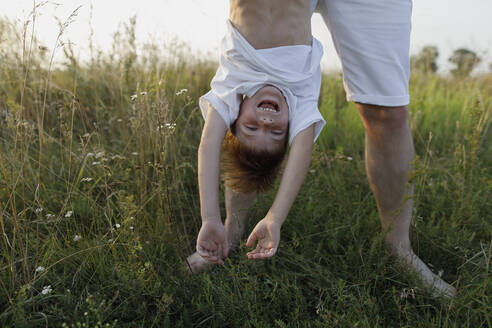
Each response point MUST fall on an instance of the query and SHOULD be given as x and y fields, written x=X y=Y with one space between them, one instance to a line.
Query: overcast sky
x=448 y=24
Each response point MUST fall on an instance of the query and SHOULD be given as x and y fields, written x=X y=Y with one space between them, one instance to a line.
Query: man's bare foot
x=197 y=264
x=439 y=287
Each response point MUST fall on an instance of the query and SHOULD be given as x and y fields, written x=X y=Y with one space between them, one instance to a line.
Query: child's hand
x=212 y=238
x=267 y=232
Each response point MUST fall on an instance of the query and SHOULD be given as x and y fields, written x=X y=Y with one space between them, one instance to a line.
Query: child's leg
x=237 y=205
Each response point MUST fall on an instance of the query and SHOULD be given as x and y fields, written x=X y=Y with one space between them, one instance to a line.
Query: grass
x=99 y=202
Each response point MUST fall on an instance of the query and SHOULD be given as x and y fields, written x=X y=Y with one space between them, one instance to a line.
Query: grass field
x=99 y=201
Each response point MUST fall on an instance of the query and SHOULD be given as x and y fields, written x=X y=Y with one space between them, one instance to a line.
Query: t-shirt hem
x=391 y=101
x=211 y=100
x=319 y=124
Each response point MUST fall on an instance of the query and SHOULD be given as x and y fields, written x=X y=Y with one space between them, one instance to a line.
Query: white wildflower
x=77 y=237
x=99 y=154
x=117 y=225
x=349 y=158
x=134 y=153
x=143 y=93
x=96 y=163
x=406 y=292
x=119 y=120
x=40 y=269
x=49 y=216
x=68 y=214
x=169 y=126
x=180 y=92
x=46 y=290
x=87 y=135
x=86 y=179
x=131 y=228
x=38 y=210
x=133 y=97
x=90 y=154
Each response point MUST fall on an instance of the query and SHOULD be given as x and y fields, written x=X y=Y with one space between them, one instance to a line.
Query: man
x=372 y=39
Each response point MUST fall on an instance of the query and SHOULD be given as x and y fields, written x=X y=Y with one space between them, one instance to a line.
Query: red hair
x=246 y=169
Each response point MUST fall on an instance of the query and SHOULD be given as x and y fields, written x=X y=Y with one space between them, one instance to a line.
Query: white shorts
x=372 y=39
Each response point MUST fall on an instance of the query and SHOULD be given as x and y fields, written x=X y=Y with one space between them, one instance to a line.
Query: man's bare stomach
x=272 y=23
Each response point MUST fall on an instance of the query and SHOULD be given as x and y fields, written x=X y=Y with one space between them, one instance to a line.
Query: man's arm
x=267 y=231
x=212 y=235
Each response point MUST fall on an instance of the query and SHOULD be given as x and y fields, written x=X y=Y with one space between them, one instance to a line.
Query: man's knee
x=380 y=119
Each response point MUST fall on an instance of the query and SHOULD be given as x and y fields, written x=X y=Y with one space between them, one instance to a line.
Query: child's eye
x=251 y=128
x=277 y=133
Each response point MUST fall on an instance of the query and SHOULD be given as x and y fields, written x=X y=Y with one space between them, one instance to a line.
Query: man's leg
x=389 y=153
x=237 y=205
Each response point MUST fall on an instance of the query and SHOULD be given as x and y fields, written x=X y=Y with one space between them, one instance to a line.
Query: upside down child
x=263 y=98
x=269 y=67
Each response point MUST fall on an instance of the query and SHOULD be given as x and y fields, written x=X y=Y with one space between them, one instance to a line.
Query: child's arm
x=212 y=236
x=267 y=231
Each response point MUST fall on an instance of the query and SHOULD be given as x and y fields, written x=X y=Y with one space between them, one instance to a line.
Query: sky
x=448 y=24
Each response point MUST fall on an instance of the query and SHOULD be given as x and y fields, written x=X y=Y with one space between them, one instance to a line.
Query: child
x=263 y=96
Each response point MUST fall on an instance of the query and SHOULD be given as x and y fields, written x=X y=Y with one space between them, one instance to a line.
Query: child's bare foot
x=430 y=280
x=234 y=230
x=197 y=264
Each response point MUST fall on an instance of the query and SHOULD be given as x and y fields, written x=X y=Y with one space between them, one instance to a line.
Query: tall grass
x=99 y=202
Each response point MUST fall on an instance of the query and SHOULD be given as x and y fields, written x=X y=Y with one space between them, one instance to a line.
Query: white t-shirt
x=243 y=70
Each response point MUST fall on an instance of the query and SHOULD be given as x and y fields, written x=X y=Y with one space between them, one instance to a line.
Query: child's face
x=263 y=119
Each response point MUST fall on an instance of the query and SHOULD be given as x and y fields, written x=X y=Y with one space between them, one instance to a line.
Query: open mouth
x=268 y=106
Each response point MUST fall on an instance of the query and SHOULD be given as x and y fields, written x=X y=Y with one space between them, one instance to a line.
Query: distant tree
x=465 y=61
x=425 y=60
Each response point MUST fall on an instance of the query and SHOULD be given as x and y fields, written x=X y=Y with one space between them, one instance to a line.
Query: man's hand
x=267 y=232
x=212 y=243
